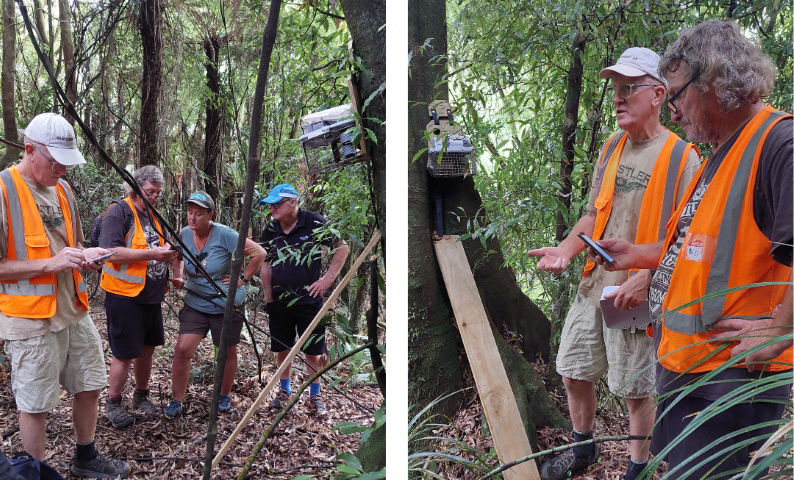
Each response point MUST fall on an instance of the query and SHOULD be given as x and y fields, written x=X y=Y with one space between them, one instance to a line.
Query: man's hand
x=633 y=292
x=66 y=259
x=621 y=251
x=554 y=259
x=317 y=288
x=163 y=254
x=178 y=283
x=747 y=334
x=225 y=279
x=90 y=253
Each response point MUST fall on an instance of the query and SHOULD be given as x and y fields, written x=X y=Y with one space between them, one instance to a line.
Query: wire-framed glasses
x=625 y=91
x=53 y=162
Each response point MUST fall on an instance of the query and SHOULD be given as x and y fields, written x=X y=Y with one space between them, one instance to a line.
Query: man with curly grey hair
x=735 y=229
x=135 y=284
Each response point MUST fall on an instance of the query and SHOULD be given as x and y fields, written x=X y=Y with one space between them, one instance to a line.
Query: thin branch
x=329 y=14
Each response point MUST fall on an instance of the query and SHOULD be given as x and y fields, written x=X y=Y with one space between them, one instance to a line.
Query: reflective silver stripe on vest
x=668 y=203
x=122 y=274
x=70 y=201
x=15 y=213
x=607 y=155
x=81 y=287
x=720 y=270
x=25 y=289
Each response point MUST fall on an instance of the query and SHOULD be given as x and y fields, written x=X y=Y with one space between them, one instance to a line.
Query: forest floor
x=302 y=443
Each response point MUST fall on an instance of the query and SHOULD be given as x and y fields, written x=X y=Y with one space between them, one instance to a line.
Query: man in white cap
x=640 y=177
x=44 y=318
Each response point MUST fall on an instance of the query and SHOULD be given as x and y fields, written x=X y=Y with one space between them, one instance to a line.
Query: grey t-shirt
x=216 y=258
x=773 y=201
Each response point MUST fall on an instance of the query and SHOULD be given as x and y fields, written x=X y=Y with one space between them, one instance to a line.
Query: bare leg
x=230 y=370
x=315 y=361
x=142 y=368
x=582 y=403
x=186 y=346
x=118 y=376
x=280 y=357
x=33 y=429
x=85 y=407
x=642 y=413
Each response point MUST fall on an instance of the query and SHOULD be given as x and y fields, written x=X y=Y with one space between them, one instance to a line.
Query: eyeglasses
x=670 y=103
x=625 y=91
x=53 y=162
x=153 y=195
x=276 y=206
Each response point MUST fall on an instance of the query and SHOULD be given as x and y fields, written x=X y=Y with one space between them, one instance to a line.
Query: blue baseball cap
x=279 y=193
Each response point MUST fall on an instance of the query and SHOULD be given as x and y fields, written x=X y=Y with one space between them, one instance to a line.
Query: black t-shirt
x=295 y=257
x=773 y=211
x=117 y=222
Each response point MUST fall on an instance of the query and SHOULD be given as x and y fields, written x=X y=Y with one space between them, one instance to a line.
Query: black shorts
x=132 y=325
x=286 y=321
x=686 y=452
x=194 y=321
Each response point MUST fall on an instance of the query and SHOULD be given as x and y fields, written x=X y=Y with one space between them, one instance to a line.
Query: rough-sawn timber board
x=499 y=404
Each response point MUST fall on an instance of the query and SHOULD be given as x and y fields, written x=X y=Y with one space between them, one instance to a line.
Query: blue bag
x=31 y=469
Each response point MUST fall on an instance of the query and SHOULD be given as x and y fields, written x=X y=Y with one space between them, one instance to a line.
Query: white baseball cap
x=635 y=62
x=54 y=132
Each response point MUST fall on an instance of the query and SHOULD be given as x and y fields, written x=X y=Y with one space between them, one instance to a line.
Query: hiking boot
x=224 y=403
x=99 y=467
x=317 y=405
x=174 y=410
x=118 y=414
x=634 y=470
x=567 y=464
x=140 y=401
x=281 y=399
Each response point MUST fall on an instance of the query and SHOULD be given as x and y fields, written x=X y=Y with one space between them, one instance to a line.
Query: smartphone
x=600 y=251
x=102 y=258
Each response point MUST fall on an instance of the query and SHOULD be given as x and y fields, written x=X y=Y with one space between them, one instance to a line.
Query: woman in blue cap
x=212 y=244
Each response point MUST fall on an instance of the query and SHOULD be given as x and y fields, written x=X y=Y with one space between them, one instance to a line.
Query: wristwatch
x=242 y=277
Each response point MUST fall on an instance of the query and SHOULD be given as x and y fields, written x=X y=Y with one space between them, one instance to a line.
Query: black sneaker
x=634 y=470
x=100 y=467
x=567 y=464
x=118 y=414
x=282 y=399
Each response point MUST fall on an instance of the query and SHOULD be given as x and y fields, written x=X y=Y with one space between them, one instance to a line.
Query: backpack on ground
x=31 y=469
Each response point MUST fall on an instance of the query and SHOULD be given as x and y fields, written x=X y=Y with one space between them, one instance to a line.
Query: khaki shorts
x=71 y=358
x=588 y=349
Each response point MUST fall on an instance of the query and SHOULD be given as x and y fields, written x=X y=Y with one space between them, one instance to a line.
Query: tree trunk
x=151 y=21
x=67 y=49
x=433 y=365
x=212 y=133
x=365 y=18
x=9 y=57
x=570 y=125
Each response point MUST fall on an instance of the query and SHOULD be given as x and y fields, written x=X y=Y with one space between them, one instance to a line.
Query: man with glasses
x=293 y=285
x=44 y=312
x=640 y=177
x=734 y=230
x=135 y=283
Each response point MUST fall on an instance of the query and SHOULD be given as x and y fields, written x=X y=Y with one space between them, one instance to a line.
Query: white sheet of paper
x=639 y=317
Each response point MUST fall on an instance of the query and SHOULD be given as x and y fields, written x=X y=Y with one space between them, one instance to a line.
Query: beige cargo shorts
x=588 y=349
x=71 y=358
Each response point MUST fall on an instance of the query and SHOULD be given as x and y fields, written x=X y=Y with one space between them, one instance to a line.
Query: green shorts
x=40 y=366
x=588 y=349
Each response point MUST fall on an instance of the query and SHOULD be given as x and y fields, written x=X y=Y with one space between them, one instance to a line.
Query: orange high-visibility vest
x=723 y=229
x=34 y=297
x=658 y=202
x=128 y=279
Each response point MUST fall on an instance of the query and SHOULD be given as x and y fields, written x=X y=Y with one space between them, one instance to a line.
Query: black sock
x=86 y=452
x=634 y=469
x=585 y=450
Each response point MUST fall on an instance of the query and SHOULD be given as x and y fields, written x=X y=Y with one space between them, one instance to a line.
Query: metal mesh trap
x=451 y=156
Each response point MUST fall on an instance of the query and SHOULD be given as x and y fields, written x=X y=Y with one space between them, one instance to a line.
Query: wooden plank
x=499 y=404
x=261 y=398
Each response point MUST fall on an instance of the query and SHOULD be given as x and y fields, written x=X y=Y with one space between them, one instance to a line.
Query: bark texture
x=151 y=21
x=8 y=102
x=212 y=132
x=67 y=50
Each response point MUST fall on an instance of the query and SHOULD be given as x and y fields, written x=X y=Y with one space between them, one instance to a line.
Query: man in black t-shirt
x=293 y=285
x=735 y=229
x=135 y=283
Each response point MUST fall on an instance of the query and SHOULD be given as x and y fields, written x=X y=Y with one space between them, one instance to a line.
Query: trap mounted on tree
x=449 y=152
x=327 y=139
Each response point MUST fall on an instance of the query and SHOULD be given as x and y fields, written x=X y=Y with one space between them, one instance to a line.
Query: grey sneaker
x=566 y=465
x=117 y=414
x=281 y=399
x=140 y=401
x=317 y=405
x=174 y=410
x=100 y=467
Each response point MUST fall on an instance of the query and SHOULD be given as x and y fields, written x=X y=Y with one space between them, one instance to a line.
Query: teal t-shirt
x=217 y=262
